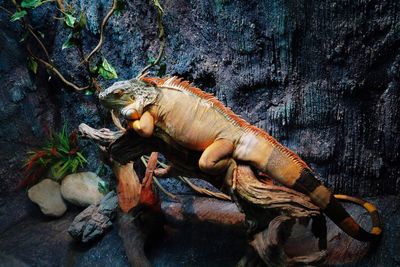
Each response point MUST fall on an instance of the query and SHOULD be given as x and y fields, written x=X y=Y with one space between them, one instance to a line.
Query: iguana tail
x=370 y=208
x=329 y=204
x=284 y=166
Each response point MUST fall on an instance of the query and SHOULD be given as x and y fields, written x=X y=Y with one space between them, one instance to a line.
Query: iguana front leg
x=216 y=159
x=144 y=126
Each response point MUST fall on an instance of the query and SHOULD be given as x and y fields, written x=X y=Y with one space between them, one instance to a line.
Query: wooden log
x=129 y=186
x=133 y=238
x=264 y=204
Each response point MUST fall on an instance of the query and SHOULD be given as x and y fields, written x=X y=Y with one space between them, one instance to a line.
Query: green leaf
x=162 y=70
x=41 y=34
x=59 y=169
x=69 y=20
x=106 y=70
x=81 y=157
x=88 y=92
x=103 y=187
x=32 y=65
x=119 y=7
x=24 y=36
x=74 y=165
x=82 y=20
x=70 y=42
x=151 y=60
x=18 y=15
x=32 y=3
x=158 y=6
x=55 y=155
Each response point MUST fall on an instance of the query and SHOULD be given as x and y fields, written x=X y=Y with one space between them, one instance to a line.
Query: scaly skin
x=197 y=121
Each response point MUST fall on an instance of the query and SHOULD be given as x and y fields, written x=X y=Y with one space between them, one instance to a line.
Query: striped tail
x=286 y=167
x=376 y=231
x=321 y=196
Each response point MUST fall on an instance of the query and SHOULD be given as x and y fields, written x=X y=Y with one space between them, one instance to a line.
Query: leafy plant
x=18 y=15
x=103 y=187
x=71 y=41
x=60 y=155
x=119 y=7
x=75 y=24
x=33 y=3
x=105 y=69
x=32 y=64
x=162 y=70
x=69 y=20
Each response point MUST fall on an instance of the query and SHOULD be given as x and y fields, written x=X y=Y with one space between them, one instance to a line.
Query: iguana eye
x=118 y=92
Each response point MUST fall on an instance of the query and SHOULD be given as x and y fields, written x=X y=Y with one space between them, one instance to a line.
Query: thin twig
x=103 y=25
x=161 y=37
x=30 y=29
x=36 y=37
x=172 y=196
x=204 y=191
x=199 y=189
x=60 y=5
x=57 y=72
x=6 y=10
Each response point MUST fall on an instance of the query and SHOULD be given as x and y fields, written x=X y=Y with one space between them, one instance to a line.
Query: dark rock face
x=321 y=78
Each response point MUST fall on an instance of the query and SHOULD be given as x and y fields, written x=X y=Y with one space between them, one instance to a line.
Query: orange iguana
x=198 y=121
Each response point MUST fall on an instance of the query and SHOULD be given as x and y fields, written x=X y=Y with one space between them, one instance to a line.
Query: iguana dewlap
x=198 y=121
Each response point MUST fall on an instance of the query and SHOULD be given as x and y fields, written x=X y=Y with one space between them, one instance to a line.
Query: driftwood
x=270 y=210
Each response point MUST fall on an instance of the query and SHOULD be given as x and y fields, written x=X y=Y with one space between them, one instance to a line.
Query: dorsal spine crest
x=175 y=83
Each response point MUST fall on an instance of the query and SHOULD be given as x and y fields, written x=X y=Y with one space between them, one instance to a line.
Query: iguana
x=198 y=121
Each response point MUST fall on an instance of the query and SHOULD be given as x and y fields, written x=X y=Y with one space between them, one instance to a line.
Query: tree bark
x=265 y=205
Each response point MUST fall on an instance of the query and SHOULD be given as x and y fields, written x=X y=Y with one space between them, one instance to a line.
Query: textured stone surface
x=81 y=188
x=47 y=195
x=95 y=219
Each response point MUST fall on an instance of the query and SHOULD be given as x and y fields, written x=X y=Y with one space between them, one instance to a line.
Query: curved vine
x=161 y=37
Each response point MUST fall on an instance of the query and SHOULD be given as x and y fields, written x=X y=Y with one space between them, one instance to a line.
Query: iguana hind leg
x=216 y=159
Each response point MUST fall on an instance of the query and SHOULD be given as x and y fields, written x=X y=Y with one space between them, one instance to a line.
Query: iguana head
x=129 y=97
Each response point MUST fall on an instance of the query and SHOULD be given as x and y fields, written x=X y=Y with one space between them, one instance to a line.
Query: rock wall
x=320 y=76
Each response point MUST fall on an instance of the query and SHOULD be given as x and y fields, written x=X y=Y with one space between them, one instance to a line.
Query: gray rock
x=48 y=196
x=81 y=188
x=95 y=219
